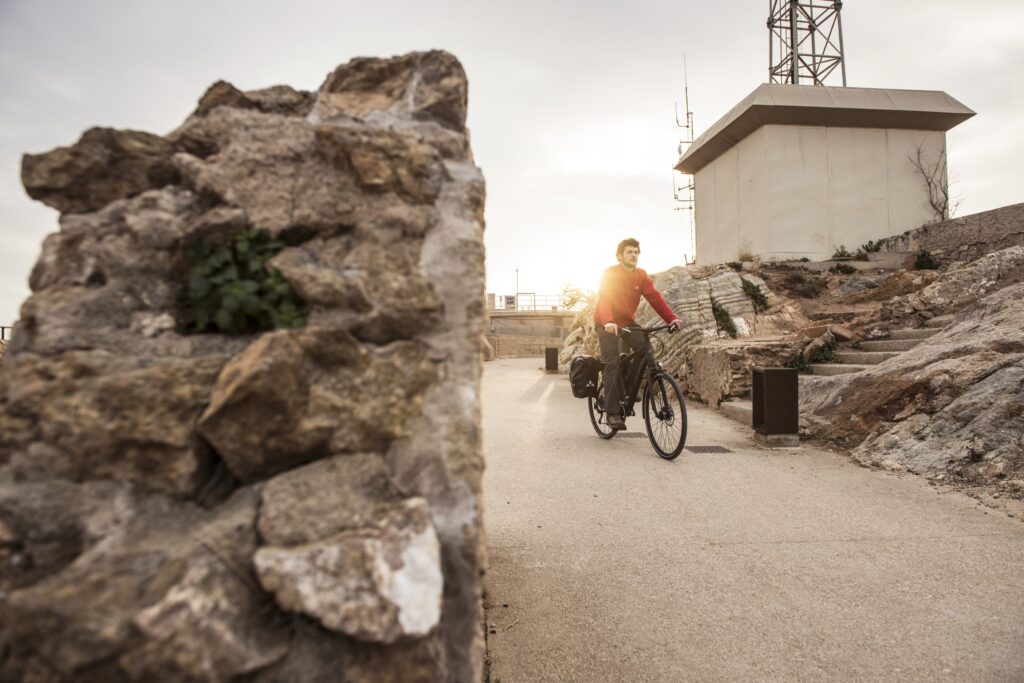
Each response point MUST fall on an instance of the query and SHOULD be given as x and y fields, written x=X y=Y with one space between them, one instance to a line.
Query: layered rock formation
x=297 y=504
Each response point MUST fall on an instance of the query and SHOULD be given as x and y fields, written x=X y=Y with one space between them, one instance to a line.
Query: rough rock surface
x=958 y=287
x=299 y=504
x=950 y=406
x=719 y=370
x=377 y=584
x=104 y=165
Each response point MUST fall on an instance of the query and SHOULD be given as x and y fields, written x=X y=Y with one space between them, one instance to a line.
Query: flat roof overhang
x=815 y=105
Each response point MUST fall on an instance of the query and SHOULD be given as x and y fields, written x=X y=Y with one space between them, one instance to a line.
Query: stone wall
x=964 y=239
x=520 y=346
x=297 y=504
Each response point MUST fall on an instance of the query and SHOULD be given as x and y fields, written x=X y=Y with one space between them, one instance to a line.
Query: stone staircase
x=852 y=360
x=874 y=352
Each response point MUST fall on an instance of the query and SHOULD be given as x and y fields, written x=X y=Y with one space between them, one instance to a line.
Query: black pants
x=614 y=386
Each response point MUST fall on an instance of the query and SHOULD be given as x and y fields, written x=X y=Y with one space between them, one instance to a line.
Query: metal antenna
x=683 y=194
x=805 y=41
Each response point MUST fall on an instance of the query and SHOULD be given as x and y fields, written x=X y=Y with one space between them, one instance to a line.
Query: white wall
x=795 y=191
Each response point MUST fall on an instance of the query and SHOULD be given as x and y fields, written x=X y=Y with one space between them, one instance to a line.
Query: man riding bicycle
x=622 y=286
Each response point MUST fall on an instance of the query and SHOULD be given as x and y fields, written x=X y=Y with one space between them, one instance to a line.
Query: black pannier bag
x=584 y=372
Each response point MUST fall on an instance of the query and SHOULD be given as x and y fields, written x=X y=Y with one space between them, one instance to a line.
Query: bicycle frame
x=649 y=365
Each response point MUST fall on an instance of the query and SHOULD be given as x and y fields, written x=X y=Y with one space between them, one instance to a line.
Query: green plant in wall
x=231 y=290
x=723 y=320
x=925 y=261
x=756 y=295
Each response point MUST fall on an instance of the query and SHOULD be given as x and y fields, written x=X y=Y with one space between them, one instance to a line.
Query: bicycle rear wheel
x=665 y=416
x=597 y=415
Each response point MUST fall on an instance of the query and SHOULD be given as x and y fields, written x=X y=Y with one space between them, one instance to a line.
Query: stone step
x=741 y=411
x=890 y=345
x=939 y=321
x=920 y=333
x=837 y=369
x=863 y=357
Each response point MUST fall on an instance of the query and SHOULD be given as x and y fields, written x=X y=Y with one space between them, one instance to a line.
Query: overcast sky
x=570 y=102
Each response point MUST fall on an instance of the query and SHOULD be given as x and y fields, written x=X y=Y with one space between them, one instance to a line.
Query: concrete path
x=610 y=564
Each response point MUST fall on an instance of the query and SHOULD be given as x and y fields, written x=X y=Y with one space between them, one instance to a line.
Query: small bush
x=861 y=255
x=723 y=320
x=871 y=246
x=842 y=268
x=756 y=295
x=230 y=289
x=822 y=354
x=841 y=252
x=735 y=265
x=925 y=261
x=745 y=253
x=808 y=287
x=805 y=260
x=799 y=364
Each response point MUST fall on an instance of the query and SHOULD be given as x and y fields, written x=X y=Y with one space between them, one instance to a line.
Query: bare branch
x=935 y=181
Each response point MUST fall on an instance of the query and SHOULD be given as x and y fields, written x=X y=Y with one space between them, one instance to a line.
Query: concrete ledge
x=777 y=440
x=741 y=411
x=837 y=369
x=912 y=333
x=894 y=345
x=863 y=357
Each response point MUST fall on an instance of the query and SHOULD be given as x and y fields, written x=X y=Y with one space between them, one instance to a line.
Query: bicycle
x=664 y=411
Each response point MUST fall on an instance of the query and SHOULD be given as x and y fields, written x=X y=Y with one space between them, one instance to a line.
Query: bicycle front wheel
x=595 y=404
x=665 y=416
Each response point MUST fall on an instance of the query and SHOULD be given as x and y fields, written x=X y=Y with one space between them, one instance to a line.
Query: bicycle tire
x=595 y=406
x=665 y=415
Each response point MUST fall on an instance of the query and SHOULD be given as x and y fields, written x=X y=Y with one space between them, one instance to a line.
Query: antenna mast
x=805 y=42
x=683 y=193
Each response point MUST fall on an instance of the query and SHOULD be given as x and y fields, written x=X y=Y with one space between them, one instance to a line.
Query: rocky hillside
x=952 y=408
x=239 y=430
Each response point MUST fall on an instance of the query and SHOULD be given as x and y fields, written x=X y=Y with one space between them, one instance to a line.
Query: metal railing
x=528 y=302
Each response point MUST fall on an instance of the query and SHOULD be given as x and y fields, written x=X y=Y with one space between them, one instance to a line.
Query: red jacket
x=620 y=295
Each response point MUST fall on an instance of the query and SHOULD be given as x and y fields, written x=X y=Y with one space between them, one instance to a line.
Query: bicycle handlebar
x=644 y=330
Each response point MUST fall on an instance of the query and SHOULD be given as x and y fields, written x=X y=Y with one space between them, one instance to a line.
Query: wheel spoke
x=666 y=417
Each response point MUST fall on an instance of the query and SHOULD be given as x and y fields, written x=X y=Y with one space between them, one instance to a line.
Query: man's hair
x=629 y=242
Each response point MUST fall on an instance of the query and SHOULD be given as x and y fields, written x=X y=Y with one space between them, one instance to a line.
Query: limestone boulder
x=125 y=418
x=379 y=584
x=429 y=86
x=720 y=370
x=138 y=605
x=292 y=397
x=104 y=165
x=324 y=498
x=951 y=405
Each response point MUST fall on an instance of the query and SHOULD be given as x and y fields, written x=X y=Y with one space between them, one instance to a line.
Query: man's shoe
x=616 y=422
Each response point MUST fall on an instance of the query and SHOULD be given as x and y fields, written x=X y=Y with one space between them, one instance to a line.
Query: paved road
x=754 y=565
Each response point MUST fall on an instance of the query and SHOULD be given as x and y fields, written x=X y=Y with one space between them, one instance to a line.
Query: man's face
x=630 y=255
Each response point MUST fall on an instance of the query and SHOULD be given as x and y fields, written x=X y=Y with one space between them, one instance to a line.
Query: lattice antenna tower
x=682 y=185
x=805 y=43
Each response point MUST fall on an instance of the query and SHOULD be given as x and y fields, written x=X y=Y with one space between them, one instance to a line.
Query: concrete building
x=796 y=171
